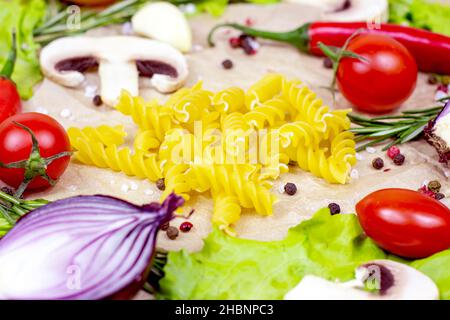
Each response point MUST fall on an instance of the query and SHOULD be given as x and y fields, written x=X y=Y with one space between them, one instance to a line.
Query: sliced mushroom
x=376 y=280
x=163 y=21
x=120 y=61
x=350 y=10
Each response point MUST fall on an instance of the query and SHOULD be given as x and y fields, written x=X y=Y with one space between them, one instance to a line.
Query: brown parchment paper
x=72 y=108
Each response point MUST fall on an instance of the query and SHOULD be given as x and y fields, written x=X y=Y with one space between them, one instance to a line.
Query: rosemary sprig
x=391 y=130
x=12 y=208
x=56 y=26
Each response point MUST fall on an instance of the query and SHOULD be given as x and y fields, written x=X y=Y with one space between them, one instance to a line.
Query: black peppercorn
x=399 y=159
x=160 y=184
x=7 y=190
x=97 y=100
x=432 y=79
x=327 y=63
x=434 y=186
x=439 y=196
x=290 y=188
x=227 y=64
x=172 y=233
x=378 y=163
x=334 y=208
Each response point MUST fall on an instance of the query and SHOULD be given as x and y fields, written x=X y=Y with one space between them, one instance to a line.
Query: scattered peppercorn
x=334 y=208
x=235 y=42
x=227 y=64
x=432 y=79
x=399 y=159
x=443 y=88
x=186 y=226
x=393 y=151
x=434 y=186
x=7 y=190
x=165 y=226
x=172 y=233
x=290 y=188
x=378 y=163
x=97 y=100
x=439 y=196
x=160 y=184
x=328 y=63
x=249 y=44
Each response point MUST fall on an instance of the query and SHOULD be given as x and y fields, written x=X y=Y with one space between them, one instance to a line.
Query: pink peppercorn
x=186 y=226
x=424 y=190
x=393 y=151
x=235 y=42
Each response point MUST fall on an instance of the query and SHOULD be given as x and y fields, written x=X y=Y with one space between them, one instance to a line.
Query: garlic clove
x=164 y=22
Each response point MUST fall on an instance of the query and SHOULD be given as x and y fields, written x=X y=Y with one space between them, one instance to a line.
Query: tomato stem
x=35 y=165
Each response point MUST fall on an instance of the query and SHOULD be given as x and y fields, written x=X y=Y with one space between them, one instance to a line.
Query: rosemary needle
x=391 y=130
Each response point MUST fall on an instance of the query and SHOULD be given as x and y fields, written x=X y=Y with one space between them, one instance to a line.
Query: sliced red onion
x=437 y=133
x=85 y=247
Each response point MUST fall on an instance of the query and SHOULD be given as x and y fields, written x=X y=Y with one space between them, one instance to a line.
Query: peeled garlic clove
x=164 y=22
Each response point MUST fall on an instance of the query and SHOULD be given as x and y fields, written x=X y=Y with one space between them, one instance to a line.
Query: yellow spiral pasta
x=333 y=165
x=133 y=164
x=107 y=135
x=148 y=116
x=231 y=144
x=265 y=89
x=229 y=100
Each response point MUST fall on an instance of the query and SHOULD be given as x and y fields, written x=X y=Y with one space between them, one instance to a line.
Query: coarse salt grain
x=41 y=110
x=111 y=182
x=127 y=28
x=149 y=192
x=134 y=186
x=439 y=95
x=197 y=48
x=125 y=188
x=189 y=8
x=72 y=187
x=66 y=113
x=371 y=150
x=354 y=174
x=281 y=188
x=90 y=91
x=359 y=156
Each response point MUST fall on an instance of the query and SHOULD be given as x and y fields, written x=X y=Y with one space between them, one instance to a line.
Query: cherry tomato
x=16 y=145
x=381 y=82
x=405 y=222
x=9 y=99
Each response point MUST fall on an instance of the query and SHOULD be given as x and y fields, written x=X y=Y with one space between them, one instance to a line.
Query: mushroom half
x=120 y=61
x=376 y=280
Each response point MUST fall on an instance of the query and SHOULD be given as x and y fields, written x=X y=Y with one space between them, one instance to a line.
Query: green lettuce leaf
x=232 y=268
x=421 y=14
x=437 y=267
x=23 y=16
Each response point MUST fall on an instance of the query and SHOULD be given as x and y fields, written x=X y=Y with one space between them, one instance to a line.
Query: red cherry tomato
x=16 y=145
x=382 y=82
x=405 y=222
x=9 y=99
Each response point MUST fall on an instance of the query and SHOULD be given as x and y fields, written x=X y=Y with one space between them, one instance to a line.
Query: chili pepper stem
x=298 y=37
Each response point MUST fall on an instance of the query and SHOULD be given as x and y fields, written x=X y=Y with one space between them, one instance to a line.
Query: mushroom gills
x=376 y=280
x=120 y=61
x=437 y=133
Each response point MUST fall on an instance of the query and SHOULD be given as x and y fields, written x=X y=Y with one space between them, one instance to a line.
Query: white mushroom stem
x=409 y=284
x=116 y=57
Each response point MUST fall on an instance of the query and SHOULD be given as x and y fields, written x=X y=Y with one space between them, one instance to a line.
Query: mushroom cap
x=116 y=57
x=409 y=284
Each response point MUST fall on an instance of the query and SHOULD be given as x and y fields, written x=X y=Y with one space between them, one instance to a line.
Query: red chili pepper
x=9 y=97
x=431 y=50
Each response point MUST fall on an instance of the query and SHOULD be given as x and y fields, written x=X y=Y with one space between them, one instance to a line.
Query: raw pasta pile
x=232 y=143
